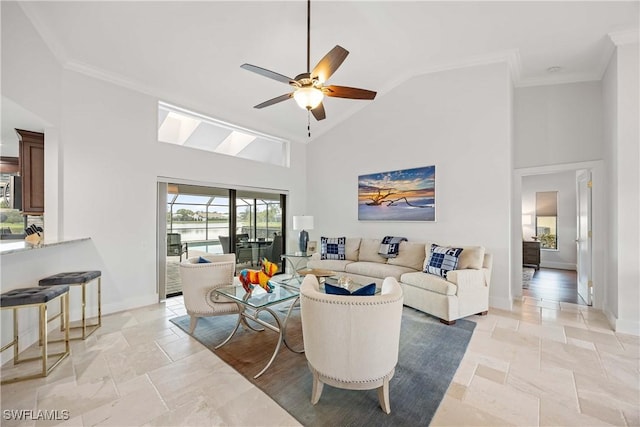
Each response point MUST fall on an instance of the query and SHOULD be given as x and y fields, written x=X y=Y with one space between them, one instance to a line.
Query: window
x=547 y=219
x=188 y=129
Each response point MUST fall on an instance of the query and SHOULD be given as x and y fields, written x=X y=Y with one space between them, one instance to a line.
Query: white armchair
x=351 y=342
x=199 y=281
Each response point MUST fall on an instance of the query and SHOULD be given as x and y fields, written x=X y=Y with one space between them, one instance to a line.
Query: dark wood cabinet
x=531 y=254
x=32 y=171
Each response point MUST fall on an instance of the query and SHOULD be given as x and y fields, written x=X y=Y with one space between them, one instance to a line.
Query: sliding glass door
x=208 y=220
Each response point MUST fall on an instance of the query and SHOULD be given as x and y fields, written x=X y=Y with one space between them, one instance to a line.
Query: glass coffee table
x=258 y=300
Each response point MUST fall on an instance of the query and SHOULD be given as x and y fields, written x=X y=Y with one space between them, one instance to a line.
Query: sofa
x=463 y=292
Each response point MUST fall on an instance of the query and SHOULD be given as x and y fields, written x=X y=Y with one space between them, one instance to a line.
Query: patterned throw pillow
x=367 y=290
x=442 y=260
x=333 y=248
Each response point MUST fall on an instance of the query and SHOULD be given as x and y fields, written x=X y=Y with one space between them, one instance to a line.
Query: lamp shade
x=303 y=222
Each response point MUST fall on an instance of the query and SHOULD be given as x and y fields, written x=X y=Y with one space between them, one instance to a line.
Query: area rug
x=429 y=356
x=527 y=275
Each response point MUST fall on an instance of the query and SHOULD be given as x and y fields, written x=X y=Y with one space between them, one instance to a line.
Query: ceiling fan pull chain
x=309 y=122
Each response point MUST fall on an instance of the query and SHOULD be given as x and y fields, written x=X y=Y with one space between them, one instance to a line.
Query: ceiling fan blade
x=275 y=100
x=330 y=63
x=348 y=92
x=268 y=73
x=318 y=112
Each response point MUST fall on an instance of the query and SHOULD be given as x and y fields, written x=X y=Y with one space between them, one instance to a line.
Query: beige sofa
x=464 y=292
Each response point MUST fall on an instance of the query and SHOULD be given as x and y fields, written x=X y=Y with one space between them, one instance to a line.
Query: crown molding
x=47 y=36
x=620 y=38
x=110 y=77
x=511 y=57
x=559 y=79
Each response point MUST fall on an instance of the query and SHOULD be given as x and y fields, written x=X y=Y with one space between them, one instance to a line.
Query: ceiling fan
x=309 y=88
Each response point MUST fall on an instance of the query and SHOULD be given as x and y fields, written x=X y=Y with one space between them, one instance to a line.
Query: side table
x=296 y=261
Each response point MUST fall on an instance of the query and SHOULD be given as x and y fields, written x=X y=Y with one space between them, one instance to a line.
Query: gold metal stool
x=78 y=278
x=36 y=297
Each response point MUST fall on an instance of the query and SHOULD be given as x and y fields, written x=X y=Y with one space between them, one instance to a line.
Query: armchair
x=198 y=283
x=351 y=342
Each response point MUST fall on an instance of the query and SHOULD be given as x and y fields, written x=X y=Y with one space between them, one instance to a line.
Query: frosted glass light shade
x=308 y=97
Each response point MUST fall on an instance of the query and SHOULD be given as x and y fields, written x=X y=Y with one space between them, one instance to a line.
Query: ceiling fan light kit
x=308 y=97
x=308 y=88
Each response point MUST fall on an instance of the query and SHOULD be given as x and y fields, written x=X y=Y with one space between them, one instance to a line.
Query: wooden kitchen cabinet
x=32 y=171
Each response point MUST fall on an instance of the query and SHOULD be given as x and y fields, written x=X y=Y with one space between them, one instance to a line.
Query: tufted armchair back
x=199 y=281
x=351 y=341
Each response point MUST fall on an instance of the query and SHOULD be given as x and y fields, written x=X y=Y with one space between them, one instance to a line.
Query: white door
x=584 y=236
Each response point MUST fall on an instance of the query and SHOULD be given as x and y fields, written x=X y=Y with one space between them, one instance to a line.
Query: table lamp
x=303 y=223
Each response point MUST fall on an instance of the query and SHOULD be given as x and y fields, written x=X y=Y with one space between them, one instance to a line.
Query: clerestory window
x=189 y=129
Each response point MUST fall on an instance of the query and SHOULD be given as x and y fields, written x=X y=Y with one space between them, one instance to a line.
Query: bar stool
x=77 y=278
x=36 y=297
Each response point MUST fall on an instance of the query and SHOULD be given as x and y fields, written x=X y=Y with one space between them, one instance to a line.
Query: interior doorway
x=567 y=253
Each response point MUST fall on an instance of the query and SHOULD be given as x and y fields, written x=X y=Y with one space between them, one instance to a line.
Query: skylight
x=189 y=129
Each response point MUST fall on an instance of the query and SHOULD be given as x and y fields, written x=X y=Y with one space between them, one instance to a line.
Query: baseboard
x=500 y=303
x=558 y=265
x=622 y=326
x=129 y=304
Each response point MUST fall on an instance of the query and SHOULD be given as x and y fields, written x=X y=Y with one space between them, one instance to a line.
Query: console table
x=531 y=254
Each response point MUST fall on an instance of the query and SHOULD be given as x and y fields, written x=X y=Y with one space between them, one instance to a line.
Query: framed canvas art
x=401 y=195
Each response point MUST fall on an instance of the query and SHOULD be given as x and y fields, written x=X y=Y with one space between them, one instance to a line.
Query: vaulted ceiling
x=189 y=53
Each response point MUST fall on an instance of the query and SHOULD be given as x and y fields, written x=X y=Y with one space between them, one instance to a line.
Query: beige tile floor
x=544 y=363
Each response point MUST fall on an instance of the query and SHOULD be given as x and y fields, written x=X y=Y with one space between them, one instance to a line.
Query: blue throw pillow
x=367 y=290
x=333 y=248
x=442 y=260
x=202 y=260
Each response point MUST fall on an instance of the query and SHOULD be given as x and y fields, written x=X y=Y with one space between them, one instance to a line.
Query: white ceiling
x=189 y=53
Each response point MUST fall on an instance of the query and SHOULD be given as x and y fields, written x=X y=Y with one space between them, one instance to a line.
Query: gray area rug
x=429 y=356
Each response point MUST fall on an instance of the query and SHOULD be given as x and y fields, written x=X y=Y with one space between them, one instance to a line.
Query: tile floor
x=545 y=363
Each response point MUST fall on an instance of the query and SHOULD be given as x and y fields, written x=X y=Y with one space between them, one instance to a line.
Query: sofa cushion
x=376 y=269
x=332 y=247
x=328 y=264
x=369 y=251
x=442 y=260
x=429 y=282
x=411 y=254
x=352 y=248
x=471 y=257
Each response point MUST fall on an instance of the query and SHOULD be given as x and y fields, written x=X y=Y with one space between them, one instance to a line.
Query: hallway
x=555 y=285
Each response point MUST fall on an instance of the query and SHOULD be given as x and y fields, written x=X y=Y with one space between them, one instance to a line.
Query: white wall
x=458 y=120
x=108 y=163
x=565 y=184
x=557 y=124
x=622 y=135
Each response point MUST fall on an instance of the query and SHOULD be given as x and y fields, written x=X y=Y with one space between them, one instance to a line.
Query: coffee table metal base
x=247 y=312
